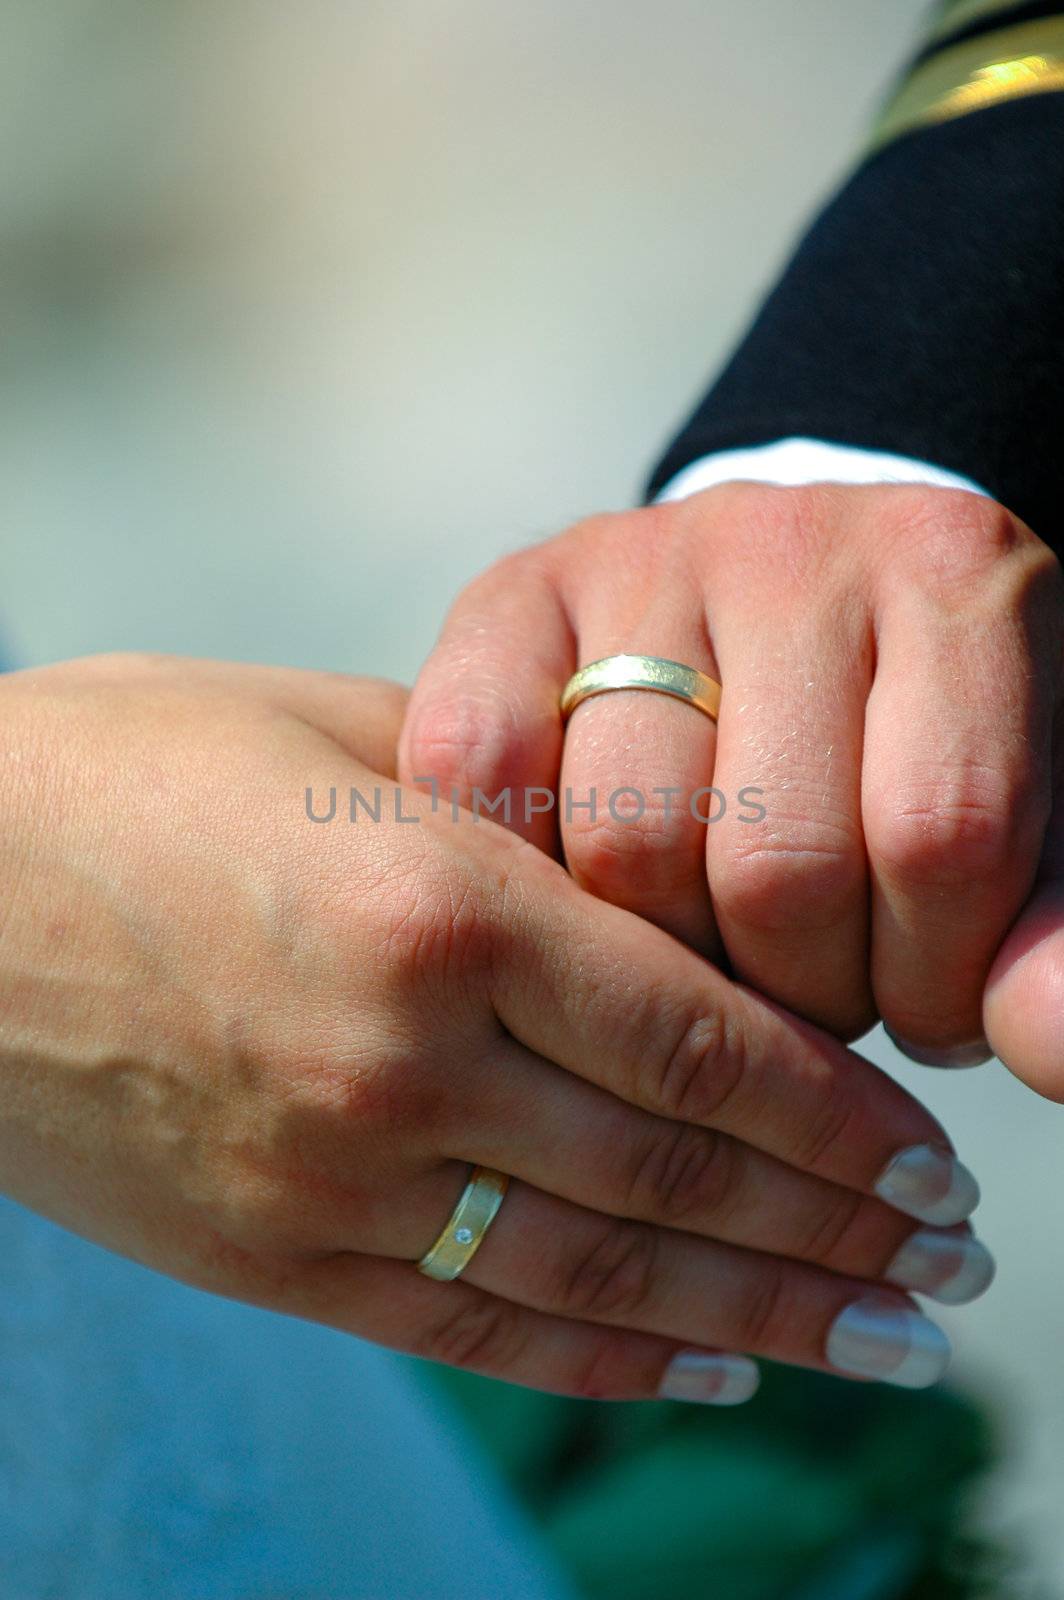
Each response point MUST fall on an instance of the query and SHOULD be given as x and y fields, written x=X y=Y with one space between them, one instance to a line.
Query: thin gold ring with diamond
x=477 y=1207
x=642 y=672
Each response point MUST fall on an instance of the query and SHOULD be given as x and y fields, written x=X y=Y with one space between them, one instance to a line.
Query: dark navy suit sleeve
x=923 y=312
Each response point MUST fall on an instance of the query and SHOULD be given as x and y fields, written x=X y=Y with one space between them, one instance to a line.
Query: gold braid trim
x=982 y=72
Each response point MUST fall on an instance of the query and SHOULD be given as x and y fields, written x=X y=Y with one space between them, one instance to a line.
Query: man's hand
x=891 y=663
x=259 y=1052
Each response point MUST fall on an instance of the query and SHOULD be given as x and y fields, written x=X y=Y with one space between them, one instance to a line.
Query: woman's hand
x=891 y=663
x=258 y=1052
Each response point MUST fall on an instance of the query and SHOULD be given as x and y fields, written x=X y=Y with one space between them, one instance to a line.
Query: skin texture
x=257 y=1053
x=891 y=662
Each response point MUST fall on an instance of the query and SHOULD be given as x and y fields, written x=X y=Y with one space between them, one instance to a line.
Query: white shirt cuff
x=796 y=461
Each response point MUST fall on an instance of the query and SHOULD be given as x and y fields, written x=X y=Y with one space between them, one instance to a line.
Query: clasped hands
x=891 y=658
x=259 y=1052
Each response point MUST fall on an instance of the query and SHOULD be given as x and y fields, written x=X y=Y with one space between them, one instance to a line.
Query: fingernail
x=951 y=1267
x=961 y=1055
x=875 y=1338
x=709 y=1380
x=929 y=1183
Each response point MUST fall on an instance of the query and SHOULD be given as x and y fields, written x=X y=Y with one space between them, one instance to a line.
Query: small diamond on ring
x=464 y=1235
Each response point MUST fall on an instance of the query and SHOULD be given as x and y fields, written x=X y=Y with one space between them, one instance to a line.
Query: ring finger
x=553 y=1256
x=555 y=1130
x=524 y=1116
x=637 y=766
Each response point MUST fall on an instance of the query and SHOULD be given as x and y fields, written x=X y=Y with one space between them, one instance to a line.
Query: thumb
x=1023 y=1004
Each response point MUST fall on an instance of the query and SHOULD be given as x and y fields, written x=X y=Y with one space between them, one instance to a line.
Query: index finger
x=483 y=719
x=626 y=1006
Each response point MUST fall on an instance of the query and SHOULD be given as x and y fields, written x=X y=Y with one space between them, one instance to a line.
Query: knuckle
x=612 y=1280
x=949 y=830
x=768 y=886
x=604 y=1372
x=469 y=741
x=950 y=540
x=131 y=662
x=392 y=1094
x=398 y=1103
x=129 y=669
x=598 y=528
x=788 y=530
x=436 y=923
x=684 y=1173
x=491 y=732
x=762 y=1311
x=828 y=1228
x=615 y=856
x=481 y=1332
x=771 y=515
x=700 y=1071
x=831 y=1128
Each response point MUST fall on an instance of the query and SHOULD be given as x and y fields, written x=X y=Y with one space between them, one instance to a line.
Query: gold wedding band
x=468 y=1223
x=642 y=672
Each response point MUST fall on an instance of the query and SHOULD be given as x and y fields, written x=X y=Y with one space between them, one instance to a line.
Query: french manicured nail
x=950 y=1267
x=961 y=1055
x=709 y=1379
x=875 y=1338
x=929 y=1183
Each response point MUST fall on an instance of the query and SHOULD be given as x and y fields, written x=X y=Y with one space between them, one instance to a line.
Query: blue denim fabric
x=158 y=1443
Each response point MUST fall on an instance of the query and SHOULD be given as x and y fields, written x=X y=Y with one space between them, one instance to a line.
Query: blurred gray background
x=310 y=311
